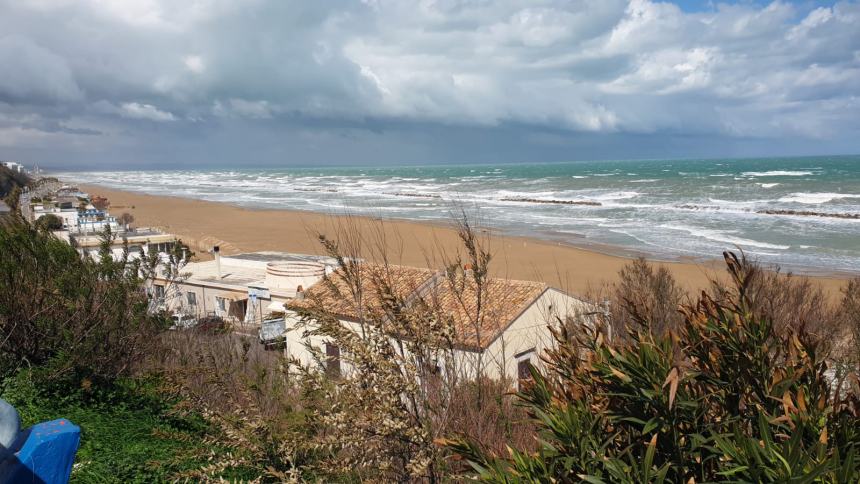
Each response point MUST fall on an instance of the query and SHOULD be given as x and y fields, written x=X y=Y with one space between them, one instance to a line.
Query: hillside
x=10 y=179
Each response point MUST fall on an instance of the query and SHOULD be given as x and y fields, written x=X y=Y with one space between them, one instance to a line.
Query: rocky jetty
x=808 y=213
x=554 y=202
x=416 y=195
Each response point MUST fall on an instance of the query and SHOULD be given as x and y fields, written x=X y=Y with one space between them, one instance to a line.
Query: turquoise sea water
x=665 y=208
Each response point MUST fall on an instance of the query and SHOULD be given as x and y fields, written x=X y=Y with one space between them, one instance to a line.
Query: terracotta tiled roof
x=502 y=302
x=334 y=294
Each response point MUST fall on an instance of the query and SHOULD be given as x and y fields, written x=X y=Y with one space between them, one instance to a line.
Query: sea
x=801 y=213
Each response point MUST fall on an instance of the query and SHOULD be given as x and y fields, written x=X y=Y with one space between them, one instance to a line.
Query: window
x=191 y=298
x=524 y=363
x=221 y=303
x=332 y=364
x=159 y=291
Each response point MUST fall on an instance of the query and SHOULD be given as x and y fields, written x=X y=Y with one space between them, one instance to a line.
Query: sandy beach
x=203 y=224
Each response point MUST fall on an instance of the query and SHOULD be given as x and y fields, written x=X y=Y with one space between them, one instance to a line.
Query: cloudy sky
x=163 y=83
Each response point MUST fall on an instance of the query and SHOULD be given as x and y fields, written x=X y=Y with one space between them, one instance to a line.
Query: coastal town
x=259 y=293
x=442 y=241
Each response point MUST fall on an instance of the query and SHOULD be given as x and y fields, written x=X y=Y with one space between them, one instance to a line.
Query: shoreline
x=569 y=266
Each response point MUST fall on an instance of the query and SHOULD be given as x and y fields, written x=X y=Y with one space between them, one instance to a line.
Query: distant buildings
x=510 y=333
x=500 y=338
x=84 y=221
x=16 y=167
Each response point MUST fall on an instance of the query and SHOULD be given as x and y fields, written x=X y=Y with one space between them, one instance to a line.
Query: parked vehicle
x=183 y=321
x=272 y=333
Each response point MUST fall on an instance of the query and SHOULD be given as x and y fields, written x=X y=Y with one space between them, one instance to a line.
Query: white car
x=183 y=321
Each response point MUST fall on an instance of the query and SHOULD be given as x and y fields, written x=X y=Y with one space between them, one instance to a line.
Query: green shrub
x=49 y=222
x=129 y=431
x=726 y=397
x=67 y=313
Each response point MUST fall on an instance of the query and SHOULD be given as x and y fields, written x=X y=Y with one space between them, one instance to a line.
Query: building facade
x=498 y=337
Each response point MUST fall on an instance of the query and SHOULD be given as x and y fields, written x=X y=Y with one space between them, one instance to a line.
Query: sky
x=91 y=84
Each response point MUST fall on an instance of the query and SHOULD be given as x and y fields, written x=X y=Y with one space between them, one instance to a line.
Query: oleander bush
x=725 y=397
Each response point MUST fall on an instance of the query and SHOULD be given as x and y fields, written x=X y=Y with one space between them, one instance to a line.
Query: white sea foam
x=778 y=173
x=816 y=198
x=738 y=204
x=723 y=236
x=707 y=214
x=624 y=195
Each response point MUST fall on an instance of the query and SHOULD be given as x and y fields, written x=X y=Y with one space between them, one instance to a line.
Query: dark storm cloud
x=152 y=82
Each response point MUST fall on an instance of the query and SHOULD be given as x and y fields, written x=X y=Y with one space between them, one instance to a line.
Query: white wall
x=529 y=331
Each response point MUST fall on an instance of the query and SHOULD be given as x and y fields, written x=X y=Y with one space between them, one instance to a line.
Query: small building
x=94 y=221
x=508 y=333
x=13 y=166
x=134 y=241
x=242 y=288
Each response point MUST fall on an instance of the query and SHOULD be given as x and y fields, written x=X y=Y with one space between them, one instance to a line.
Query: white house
x=508 y=333
x=242 y=288
x=18 y=167
x=134 y=240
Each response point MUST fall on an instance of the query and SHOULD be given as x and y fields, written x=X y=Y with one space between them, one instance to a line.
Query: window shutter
x=332 y=353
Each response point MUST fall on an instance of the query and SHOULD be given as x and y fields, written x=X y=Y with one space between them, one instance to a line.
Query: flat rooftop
x=272 y=256
x=207 y=272
x=90 y=239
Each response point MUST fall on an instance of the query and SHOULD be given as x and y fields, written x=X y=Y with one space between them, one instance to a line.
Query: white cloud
x=194 y=63
x=145 y=111
x=612 y=66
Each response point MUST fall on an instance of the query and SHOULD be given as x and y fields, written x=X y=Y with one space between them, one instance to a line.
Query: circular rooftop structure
x=291 y=274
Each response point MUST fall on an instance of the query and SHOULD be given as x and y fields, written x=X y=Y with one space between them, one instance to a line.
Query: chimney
x=300 y=292
x=217 y=252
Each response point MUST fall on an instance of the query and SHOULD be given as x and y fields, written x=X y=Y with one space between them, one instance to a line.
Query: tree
x=166 y=267
x=9 y=180
x=100 y=203
x=66 y=312
x=402 y=388
x=126 y=219
x=12 y=199
x=49 y=222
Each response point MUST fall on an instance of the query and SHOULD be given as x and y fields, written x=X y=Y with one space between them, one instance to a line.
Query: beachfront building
x=84 y=225
x=92 y=220
x=132 y=240
x=51 y=197
x=243 y=288
x=64 y=207
x=510 y=332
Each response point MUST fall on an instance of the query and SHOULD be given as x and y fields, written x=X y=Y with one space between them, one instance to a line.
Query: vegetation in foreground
x=723 y=396
x=131 y=431
x=739 y=386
